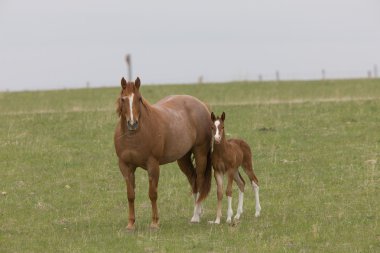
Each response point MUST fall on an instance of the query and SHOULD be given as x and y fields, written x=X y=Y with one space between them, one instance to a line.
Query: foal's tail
x=205 y=188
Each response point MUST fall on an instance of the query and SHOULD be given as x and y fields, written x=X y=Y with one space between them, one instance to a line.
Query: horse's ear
x=137 y=83
x=123 y=83
x=223 y=116
x=213 y=116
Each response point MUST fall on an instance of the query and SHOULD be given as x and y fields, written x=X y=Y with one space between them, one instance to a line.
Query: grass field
x=316 y=149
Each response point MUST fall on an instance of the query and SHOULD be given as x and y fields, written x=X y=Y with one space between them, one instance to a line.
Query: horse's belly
x=174 y=151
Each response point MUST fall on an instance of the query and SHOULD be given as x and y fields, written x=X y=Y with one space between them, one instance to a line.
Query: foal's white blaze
x=217 y=136
x=130 y=98
x=257 y=199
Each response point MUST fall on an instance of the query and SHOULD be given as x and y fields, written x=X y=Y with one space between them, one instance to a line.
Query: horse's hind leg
x=248 y=168
x=200 y=163
x=154 y=174
x=187 y=167
x=240 y=182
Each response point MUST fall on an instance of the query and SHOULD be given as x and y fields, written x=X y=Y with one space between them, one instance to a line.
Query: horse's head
x=129 y=107
x=217 y=127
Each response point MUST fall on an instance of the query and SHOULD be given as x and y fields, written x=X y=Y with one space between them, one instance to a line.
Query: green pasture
x=316 y=148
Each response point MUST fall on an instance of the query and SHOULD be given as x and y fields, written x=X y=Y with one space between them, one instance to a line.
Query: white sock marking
x=240 y=205
x=197 y=209
x=257 y=199
x=229 y=210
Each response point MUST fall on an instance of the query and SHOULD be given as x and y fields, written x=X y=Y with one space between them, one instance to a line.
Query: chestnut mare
x=151 y=135
x=227 y=156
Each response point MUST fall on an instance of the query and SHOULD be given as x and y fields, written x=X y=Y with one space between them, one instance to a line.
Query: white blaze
x=217 y=135
x=130 y=98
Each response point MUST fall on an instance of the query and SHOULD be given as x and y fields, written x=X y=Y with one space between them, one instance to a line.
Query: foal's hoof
x=195 y=219
x=154 y=226
x=217 y=222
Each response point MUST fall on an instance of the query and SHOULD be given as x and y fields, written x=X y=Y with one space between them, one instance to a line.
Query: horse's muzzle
x=132 y=126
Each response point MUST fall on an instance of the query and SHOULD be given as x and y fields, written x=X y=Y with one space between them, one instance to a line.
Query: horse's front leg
x=128 y=173
x=154 y=174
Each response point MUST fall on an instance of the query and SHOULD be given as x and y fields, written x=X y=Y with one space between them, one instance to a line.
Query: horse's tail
x=205 y=188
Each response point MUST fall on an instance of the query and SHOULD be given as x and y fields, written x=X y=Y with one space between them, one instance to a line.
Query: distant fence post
x=129 y=66
x=277 y=76
x=375 y=73
x=200 y=79
x=260 y=77
x=369 y=74
x=323 y=74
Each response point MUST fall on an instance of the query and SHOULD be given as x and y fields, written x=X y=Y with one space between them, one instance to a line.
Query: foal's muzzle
x=217 y=140
x=132 y=126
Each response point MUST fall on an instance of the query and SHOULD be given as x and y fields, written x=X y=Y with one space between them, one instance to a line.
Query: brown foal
x=227 y=157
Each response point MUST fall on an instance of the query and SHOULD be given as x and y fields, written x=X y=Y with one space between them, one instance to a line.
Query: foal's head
x=217 y=127
x=129 y=106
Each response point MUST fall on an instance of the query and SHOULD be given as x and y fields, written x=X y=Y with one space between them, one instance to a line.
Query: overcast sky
x=46 y=44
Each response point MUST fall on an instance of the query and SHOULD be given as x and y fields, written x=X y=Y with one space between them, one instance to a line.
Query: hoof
x=154 y=226
x=257 y=214
x=228 y=220
x=194 y=219
x=217 y=222
x=258 y=210
x=131 y=227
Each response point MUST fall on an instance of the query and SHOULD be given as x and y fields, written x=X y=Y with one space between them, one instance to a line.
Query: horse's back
x=182 y=101
x=187 y=124
x=186 y=107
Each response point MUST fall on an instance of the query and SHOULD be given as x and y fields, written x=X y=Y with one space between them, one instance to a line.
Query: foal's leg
x=128 y=173
x=219 y=184
x=240 y=182
x=154 y=174
x=230 y=176
x=248 y=168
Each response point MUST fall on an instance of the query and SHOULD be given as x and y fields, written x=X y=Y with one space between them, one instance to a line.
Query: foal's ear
x=137 y=83
x=213 y=116
x=223 y=116
x=123 y=83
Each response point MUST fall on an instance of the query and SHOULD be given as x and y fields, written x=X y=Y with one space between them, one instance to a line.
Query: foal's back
x=242 y=150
